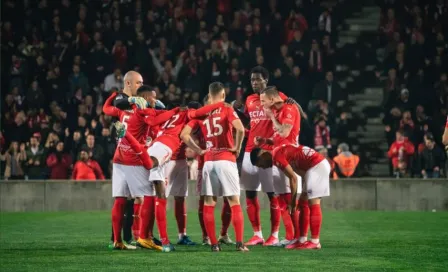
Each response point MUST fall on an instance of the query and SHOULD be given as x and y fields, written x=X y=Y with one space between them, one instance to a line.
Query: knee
x=138 y=200
x=233 y=200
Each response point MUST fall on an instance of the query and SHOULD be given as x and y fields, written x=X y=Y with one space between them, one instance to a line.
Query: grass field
x=351 y=241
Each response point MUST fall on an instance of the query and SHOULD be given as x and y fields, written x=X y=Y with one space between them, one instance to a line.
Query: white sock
x=275 y=234
x=258 y=233
x=181 y=235
x=315 y=241
x=302 y=239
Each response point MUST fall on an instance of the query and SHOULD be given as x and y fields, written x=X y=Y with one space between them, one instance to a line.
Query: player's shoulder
x=121 y=95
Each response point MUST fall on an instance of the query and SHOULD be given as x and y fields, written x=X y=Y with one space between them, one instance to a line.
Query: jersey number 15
x=214 y=128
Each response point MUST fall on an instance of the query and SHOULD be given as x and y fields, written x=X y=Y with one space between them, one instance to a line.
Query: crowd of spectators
x=62 y=59
x=414 y=35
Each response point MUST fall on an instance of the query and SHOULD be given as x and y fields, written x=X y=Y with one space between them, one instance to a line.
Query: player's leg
x=227 y=173
x=120 y=192
x=250 y=183
x=318 y=185
x=205 y=239
x=226 y=218
x=177 y=177
x=128 y=220
x=210 y=190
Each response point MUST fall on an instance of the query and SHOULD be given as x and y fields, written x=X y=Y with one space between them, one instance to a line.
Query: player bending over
x=193 y=128
x=314 y=169
x=220 y=173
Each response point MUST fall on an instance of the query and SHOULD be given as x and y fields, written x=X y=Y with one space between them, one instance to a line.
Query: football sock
x=253 y=212
x=315 y=222
x=226 y=217
x=201 y=218
x=304 y=219
x=238 y=222
x=152 y=216
x=275 y=216
x=295 y=221
x=287 y=221
x=140 y=150
x=209 y=221
x=146 y=213
x=180 y=211
x=136 y=223
x=128 y=220
x=118 y=217
x=161 y=220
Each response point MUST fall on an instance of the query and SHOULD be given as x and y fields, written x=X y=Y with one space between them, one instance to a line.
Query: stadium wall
x=346 y=195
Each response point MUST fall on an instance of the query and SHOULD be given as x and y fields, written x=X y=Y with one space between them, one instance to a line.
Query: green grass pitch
x=351 y=241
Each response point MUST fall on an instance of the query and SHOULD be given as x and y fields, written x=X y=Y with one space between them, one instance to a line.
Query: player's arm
x=98 y=171
x=239 y=135
x=108 y=107
x=185 y=135
x=260 y=141
x=158 y=117
x=289 y=172
x=282 y=129
x=445 y=134
x=203 y=111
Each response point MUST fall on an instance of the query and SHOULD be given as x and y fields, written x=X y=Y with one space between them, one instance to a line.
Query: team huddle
x=149 y=165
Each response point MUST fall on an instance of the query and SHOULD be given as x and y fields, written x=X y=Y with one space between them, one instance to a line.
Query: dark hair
x=260 y=70
x=254 y=155
x=401 y=131
x=429 y=136
x=271 y=91
x=205 y=99
x=215 y=88
x=144 y=88
x=194 y=105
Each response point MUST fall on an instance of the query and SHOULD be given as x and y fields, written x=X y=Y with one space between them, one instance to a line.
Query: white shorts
x=177 y=178
x=281 y=182
x=220 y=178
x=199 y=183
x=163 y=154
x=254 y=178
x=318 y=180
x=128 y=180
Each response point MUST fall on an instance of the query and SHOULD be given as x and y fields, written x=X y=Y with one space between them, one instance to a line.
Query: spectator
x=59 y=162
x=114 y=80
x=94 y=150
x=35 y=97
x=399 y=153
x=346 y=161
x=86 y=168
x=432 y=159
x=74 y=144
x=77 y=80
x=35 y=158
x=322 y=134
x=15 y=159
x=328 y=90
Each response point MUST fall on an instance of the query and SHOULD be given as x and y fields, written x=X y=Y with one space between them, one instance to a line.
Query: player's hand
x=268 y=112
x=201 y=152
x=140 y=102
x=235 y=151
x=258 y=140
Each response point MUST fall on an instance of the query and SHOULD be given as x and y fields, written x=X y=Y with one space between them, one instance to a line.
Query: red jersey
x=197 y=125
x=287 y=114
x=301 y=158
x=89 y=170
x=169 y=134
x=217 y=129
x=260 y=124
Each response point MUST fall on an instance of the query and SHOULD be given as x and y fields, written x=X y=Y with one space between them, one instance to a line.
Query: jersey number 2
x=214 y=129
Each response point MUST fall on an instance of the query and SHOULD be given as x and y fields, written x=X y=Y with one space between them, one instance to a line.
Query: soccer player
x=129 y=176
x=220 y=173
x=313 y=168
x=252 y=177
x=286 y=123
x=194 y=128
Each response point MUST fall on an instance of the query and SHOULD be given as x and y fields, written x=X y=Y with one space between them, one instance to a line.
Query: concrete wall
x=349 y=194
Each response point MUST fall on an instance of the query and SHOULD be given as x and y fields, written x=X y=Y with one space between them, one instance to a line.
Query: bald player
x=132 y=81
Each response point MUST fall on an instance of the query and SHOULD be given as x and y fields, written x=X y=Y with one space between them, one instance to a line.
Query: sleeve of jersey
x=204 y=110
x=282 y=96
x=232 y=115
x=110 y=110
x=193 y=124
x=289 y=116
x=279 y=159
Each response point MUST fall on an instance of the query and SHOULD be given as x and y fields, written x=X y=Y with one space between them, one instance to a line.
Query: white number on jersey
x=170 y=122
x=308 y=151
x=125 y=121
x=213 y=129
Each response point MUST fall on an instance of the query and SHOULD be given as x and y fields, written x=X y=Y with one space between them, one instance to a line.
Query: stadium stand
x=62 y=59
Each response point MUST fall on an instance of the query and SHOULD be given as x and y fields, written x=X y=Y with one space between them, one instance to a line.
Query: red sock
x=118 y=217
x=201 y=218
x=146 y=215
x=295 y=221
x=253 y=212
x=315 y=220
x=209 y=221
x=180 y=211
x=275 y=215
x=238 y=222
x=226 y=217
x=136 y=223
x=161 y=220
x=287 y=221
x=304 y=219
